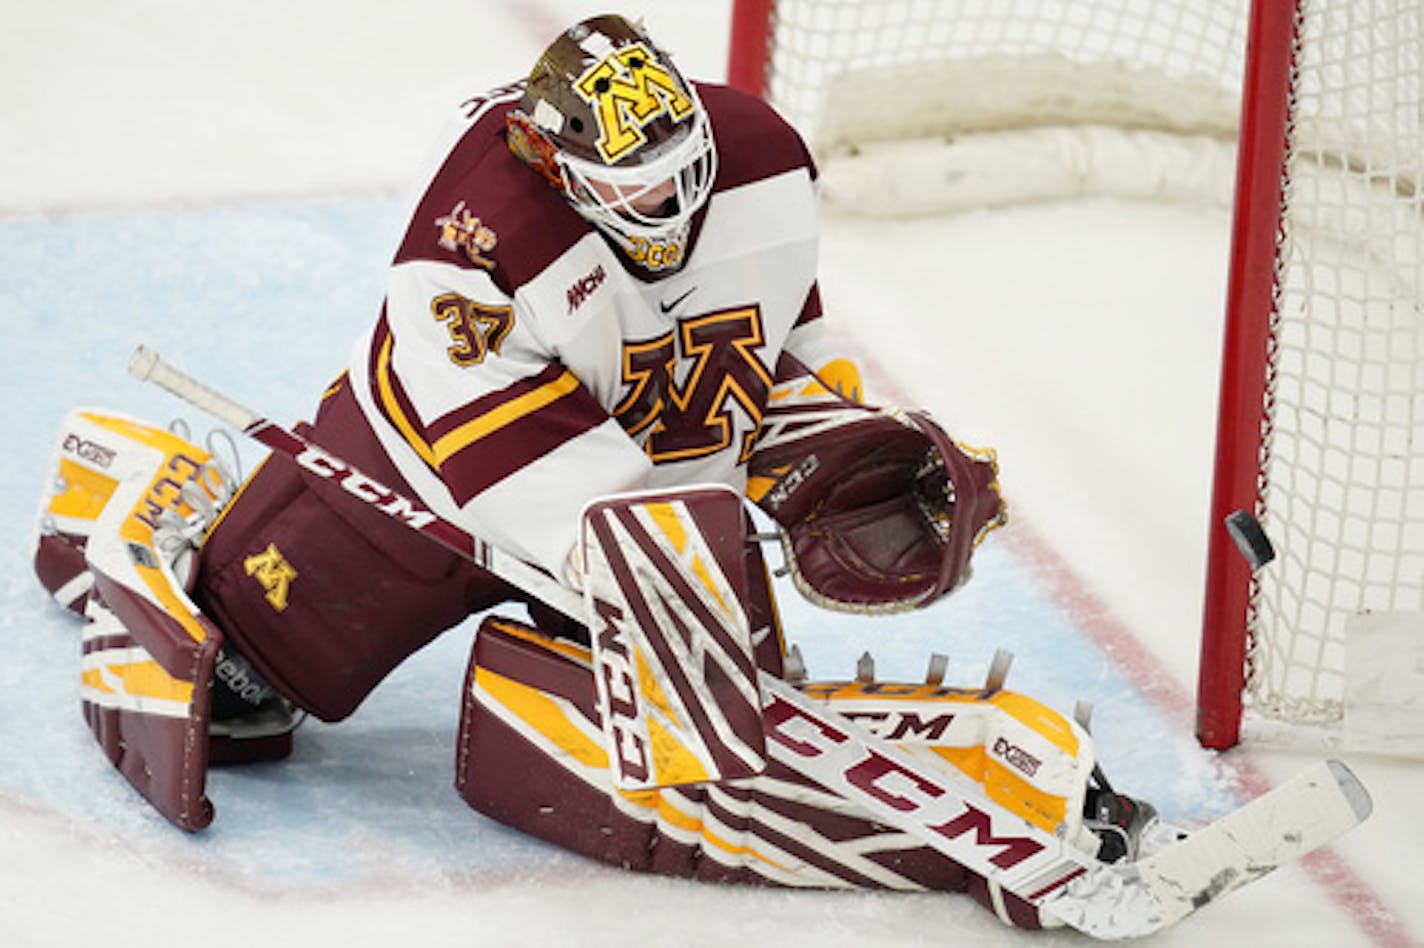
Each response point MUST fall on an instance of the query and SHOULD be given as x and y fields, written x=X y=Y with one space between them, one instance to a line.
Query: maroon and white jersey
x=523 y=365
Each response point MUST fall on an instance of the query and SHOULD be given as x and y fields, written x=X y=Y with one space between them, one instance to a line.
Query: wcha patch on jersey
x=461 y=230
x=582 y=288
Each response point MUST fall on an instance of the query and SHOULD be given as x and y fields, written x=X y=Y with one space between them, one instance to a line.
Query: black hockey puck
x=1250 y=539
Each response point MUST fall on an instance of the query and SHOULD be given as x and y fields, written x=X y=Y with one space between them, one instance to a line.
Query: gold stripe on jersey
x=390 y=404
x=436 y=453
x=335 y=387
x=506 y=414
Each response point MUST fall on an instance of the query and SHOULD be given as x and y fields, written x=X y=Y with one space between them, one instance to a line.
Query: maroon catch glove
x=879 y=509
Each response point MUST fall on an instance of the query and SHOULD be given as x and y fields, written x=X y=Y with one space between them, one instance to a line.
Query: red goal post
x=1321 y=417
x=750 y=45
x=1239 y=479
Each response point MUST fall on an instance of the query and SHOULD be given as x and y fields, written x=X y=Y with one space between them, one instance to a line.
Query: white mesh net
x=917 y=106
x=1345 y=453
x=1022 y=99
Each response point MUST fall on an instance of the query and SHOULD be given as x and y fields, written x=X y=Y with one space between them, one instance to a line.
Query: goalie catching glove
x=879 y=509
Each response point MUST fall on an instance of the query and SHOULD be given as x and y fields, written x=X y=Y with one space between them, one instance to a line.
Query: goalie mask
x=611 y=124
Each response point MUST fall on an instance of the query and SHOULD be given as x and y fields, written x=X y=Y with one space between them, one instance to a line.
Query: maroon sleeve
x=753 y=141
x=480 y=184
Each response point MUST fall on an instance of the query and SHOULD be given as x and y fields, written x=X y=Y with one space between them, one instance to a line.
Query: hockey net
x=1321 y=425
x=927 y=106
x=922 y=107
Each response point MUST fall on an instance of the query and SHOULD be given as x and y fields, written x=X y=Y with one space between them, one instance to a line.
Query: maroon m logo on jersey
x=695 y=418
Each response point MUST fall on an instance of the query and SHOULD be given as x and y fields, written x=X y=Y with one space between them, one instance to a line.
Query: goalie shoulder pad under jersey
x=880 y=510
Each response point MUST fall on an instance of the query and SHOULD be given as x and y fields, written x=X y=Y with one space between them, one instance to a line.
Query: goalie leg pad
x=95 y=453
x=1030 y=759
x=531 y=754
x=121 y=500
x=148 y=652
x=150 y=717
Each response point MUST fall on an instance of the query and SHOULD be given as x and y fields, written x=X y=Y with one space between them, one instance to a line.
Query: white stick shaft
x=147 y=366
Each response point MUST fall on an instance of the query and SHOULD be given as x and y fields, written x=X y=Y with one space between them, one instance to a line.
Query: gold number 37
x=475 y=329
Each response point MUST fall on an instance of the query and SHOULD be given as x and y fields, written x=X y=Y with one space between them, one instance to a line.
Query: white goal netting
x=919 y=107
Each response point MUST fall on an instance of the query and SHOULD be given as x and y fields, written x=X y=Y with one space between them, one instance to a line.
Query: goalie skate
x=1276 y=828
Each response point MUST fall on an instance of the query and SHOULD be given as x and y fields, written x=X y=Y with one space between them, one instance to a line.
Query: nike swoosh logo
x=669 y=307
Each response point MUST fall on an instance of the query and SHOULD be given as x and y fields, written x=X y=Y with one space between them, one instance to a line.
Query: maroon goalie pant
x=324 y=595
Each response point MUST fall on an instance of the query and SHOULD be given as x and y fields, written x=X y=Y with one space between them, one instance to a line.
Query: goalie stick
x=146 y=365
x=949 y=812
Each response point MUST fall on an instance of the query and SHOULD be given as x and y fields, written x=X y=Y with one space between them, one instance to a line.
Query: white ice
x=224 y=183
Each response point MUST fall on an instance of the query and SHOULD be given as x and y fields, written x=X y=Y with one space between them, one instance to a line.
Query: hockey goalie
x=602 y=337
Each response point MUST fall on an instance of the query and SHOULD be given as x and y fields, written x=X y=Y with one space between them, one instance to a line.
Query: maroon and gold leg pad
x=531 y=755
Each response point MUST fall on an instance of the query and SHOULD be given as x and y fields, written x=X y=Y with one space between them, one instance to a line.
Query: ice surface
x=223 y=185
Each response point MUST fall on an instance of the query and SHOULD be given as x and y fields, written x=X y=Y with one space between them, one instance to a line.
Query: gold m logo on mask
x=271 y=569
x=627 y=89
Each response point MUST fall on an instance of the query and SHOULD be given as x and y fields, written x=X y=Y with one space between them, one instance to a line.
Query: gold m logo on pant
x=271 y=569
